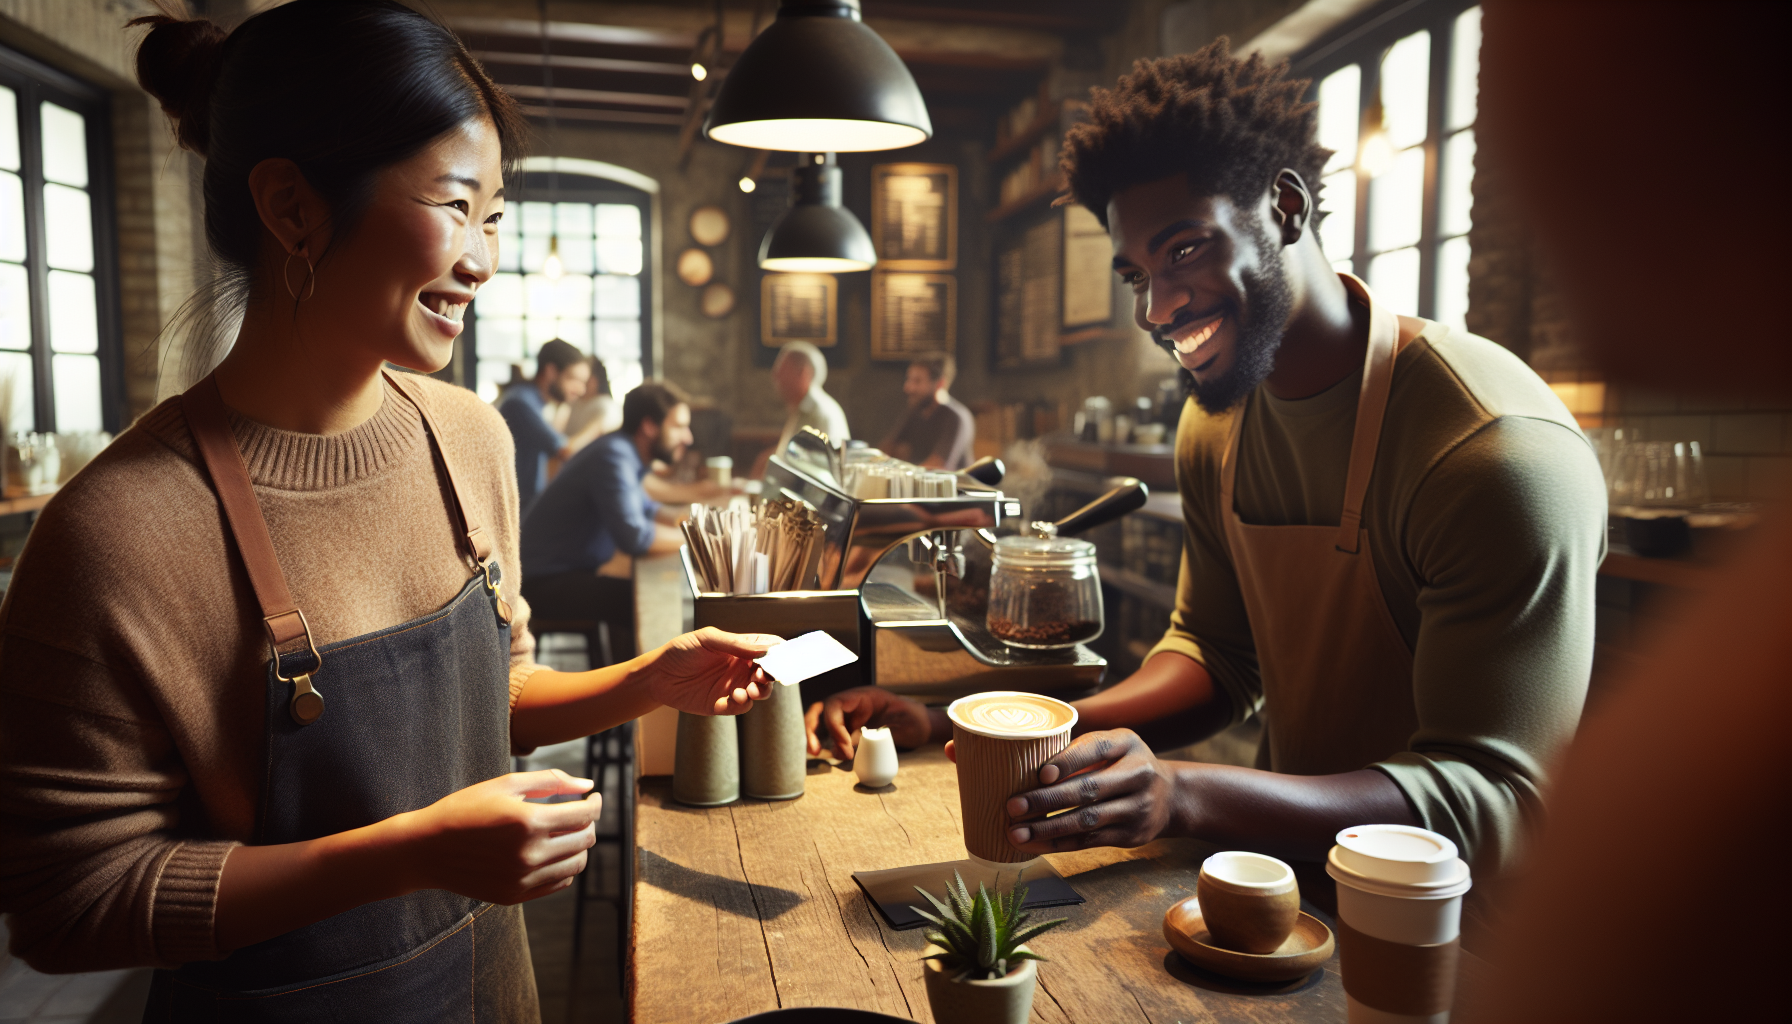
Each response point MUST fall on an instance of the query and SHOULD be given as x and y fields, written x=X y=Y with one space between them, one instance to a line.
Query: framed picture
x=914 y=216
x=1088 y=269
x=798 y=307
x=913 y=314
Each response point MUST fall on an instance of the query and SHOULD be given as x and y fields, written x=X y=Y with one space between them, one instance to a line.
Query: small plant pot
x=1006 y=1000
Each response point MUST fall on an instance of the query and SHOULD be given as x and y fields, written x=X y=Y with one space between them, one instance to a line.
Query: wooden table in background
x=750 y=907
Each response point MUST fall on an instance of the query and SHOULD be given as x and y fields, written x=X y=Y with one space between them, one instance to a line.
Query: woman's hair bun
x=177 y=63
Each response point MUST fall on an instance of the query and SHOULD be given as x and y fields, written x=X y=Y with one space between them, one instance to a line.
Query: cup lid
x=1398 y=856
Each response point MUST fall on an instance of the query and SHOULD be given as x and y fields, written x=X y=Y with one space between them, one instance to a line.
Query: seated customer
x=595 y=509
x=561 y=375
x=799 y=373
x=594 y=415
x=937 y=430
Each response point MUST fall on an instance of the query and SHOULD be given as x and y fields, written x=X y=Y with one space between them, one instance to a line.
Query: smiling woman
x=261 y=670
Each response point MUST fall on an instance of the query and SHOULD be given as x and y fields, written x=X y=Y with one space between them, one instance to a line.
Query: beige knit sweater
x=133 y=661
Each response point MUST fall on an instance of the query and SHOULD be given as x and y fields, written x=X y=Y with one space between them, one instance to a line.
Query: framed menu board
x=914 y=216
x=913 y=314
x=798 y=307
x=1029 y=283
x=1088 y=269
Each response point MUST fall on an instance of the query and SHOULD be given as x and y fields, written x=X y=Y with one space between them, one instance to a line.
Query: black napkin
x=894 y=890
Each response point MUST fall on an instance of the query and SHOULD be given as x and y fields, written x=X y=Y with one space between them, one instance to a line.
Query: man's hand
x=844 y=712
x=1125 y=796
x=711 y=672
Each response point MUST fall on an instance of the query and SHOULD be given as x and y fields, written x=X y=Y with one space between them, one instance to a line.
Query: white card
x=806 y=657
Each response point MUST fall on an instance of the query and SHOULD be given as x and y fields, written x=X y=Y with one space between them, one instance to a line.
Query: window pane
x=1465 y=69
x=575 y=332
x=1344 y=266
x=625 y=375
x=571 y=298
x=1396 y=202
x=501 y=338
x=619 y=255
x=9 y=129
x=618 y=339
x=74 y=322
x=15 y=307
x=533 y=254
x=1394 y=278
x=618 y=296
x=491 y=375
x=1452 y=282
x=618 y=220
x=1341 y=114
x=539 y=295
x=537 y=219
x=65 y=146
x=1456 y=188
x=510 y=248
x=577 y=256
x=16 y=375
x=501 y=296
x=1337 y=232
x=68 y=228
x=574 y=220
x=77 y=388
x=1405 y=73
x=538 y=331
x=12 y=218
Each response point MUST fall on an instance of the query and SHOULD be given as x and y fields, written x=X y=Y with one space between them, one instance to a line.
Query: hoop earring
x=308 y=285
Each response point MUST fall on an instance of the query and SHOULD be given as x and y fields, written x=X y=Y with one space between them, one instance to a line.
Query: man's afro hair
x=1230 y=124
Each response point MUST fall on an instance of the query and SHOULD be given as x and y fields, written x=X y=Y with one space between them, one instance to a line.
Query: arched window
x=601 y=300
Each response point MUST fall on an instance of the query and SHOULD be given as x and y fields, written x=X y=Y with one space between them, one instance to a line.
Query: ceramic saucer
x=1309 y=946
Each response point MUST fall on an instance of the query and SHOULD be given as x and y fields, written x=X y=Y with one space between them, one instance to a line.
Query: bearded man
x=595 y=509
x=1392 y=526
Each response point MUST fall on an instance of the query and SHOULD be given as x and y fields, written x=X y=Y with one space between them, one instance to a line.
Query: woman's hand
x=711 y=672
x=489 y=843
x=1126 y=796
x=844 y=712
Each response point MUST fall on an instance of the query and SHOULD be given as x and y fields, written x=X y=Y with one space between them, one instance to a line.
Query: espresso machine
x=913 y=643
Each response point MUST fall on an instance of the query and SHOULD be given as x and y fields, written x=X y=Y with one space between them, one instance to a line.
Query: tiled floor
x=590 y=990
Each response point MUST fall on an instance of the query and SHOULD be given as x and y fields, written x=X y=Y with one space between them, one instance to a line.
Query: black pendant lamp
x=816 y=235
x=818 y=79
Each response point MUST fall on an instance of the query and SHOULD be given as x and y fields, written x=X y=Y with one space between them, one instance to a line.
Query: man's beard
x=1259 y=337
x=663 y=453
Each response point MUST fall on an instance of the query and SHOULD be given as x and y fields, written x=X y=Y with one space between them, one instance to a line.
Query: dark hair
x=600 y=377
x=560 y=355
x=654 y=401
x=343 y=88
x=942 y=369
x=1231 y=124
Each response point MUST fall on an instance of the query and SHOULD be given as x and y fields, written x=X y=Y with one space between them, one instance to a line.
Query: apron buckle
x=493 y=576
x=307 y=704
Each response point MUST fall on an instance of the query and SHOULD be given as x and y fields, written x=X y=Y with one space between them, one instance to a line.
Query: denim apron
x=357 y=731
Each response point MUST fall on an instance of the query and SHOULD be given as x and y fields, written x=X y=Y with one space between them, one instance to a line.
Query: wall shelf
x=1044 y=192
x=1019 y=141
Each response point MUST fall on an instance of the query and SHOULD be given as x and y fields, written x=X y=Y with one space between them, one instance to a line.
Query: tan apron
x=1336 y=673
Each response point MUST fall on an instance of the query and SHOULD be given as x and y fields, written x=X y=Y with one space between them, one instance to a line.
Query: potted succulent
x=979 y=970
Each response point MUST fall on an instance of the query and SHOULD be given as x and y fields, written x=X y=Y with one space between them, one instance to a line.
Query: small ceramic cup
x=1250 y=901
x=874 y=762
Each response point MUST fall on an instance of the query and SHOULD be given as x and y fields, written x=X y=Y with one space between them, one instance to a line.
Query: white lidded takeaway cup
x=1399 y=922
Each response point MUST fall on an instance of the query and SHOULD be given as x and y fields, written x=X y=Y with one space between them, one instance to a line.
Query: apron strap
x=1372 y=404
x=479 y=545
x=209 y=422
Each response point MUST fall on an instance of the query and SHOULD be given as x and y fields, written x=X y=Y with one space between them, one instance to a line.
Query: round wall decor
x=709 y=225
x=695 y=268
x=716 y=301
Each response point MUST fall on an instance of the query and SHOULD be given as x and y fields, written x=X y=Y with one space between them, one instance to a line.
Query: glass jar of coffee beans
x=1044 y=592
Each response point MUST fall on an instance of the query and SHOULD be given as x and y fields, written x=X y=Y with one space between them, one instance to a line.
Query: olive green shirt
x=1486 y=522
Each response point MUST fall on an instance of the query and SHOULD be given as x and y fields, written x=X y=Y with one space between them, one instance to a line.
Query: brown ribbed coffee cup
x=1002 y=738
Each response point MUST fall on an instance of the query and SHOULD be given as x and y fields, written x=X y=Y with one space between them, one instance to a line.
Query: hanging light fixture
x=819 y=79
x=817 y=235
x=1376 y=154
x=552 y=268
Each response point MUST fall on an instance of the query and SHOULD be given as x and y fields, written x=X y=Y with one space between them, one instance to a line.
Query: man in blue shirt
x=562 y=374
x=595 y=509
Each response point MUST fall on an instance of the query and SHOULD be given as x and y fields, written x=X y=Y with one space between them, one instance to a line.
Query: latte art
x=1012 y=714
x=1011 y=717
